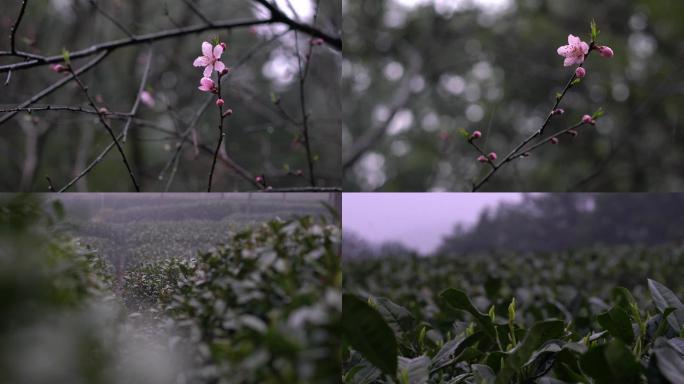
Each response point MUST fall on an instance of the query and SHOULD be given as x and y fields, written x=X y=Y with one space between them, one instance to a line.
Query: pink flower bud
x=558 y=111
x=103 y=111
x=224 y=46
x=605 y=51
x=59 y=68
x=227 y=113
x=482 y=159
x=572 y=132
x=492 y=156
x=259 y=179
x=580 y=72
x=207 y=85
x=147 y=99
x=317 y=41
x=586 y=119
x=219 y=103
x=554 y=140
x=299 y=172
x=476 y=135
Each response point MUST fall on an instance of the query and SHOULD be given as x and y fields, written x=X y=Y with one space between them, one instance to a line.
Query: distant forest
x=555 y=222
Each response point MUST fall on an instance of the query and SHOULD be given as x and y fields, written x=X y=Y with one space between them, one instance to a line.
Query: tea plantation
x=598 y=315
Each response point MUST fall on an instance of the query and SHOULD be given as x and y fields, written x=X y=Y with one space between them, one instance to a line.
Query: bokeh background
x=259 y=136
x=415 y=72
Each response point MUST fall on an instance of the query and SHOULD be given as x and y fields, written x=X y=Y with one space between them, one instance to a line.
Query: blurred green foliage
x=259 y=138
x=438 y=66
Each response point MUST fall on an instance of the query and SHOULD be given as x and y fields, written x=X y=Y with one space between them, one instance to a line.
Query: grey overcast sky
x=417 y=220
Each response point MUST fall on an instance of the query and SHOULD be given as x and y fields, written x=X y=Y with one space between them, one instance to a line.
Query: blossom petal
x=571 y=60
x=206 y=49
x=218 y=50
x=573 y=40
x=219 y=66
x=565 y=50
x=584 y=47
x=208 y=70
x=201 y=61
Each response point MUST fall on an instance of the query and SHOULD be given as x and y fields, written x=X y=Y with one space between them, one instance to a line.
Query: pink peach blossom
x=558 y=111
x=580 y=72
x=207 y=85
x=573 y=52
x=554 y=140
x=147 y=99
x=211 y=59
x=219 y=103
x=482 y=159
x=586 y=119
x=492 y=156
x=476 y=135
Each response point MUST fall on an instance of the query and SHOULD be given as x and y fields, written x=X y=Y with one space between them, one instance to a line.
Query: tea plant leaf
x=611 y=363
x=670 y=359
x=617 y=323
x=535 y=338
x=397 y=317
x=664 y=298
x=459 y=300
x=368 y=333
x=416 y=370
x=453 y=348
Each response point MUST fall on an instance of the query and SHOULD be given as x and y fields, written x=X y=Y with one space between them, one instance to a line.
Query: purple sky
x=418 y=220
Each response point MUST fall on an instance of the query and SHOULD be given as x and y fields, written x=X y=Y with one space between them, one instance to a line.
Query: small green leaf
x=599 y=112
x=464 y=133
x=215 y=40
x=66 y=56
x=594 y=31
x=511 y=311
x=558 y=95
x=575 y=82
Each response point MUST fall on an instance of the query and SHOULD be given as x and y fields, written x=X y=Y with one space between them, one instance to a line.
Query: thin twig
x=59 y=108
x=15 y=26
x=197 y=12
x=305 y=115
x=54 y=86
x=112 y=19
x=122 y=136
x=104 y=122
x=221 y=134
x=51 y=186
x=538 y=133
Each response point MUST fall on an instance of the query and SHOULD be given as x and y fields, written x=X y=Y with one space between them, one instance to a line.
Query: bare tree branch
x=54 y=86
x=108 y=127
